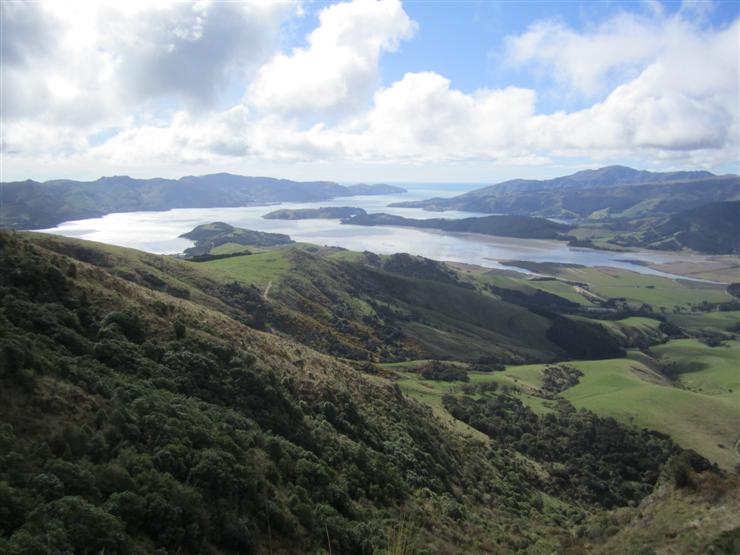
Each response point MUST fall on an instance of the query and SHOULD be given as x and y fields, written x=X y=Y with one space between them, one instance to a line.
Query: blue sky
x=364 y=90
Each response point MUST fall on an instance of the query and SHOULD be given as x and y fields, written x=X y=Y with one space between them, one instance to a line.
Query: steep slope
x=397 y=307
x=613 y=191
x=712 y=228
x=135 y=419
x=34 y=205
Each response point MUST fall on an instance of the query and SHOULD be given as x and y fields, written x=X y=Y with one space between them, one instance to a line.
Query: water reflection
x=158 y=232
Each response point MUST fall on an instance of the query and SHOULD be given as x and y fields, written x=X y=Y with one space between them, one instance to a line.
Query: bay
x=158 y=232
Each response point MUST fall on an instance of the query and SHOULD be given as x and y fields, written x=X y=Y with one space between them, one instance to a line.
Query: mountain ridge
x=612 y=191
x=36 y=205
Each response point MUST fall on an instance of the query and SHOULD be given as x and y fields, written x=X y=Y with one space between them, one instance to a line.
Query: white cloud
x=185 y=138
x=338 y=70
x=82 y=62
x=666 y=89
x=591 y=63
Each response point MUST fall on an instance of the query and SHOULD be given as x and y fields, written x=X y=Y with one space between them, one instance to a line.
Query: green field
x=702 y=418
x=628 y=390
x=709 y=370
x=230 y=248
x=704 y=415
x=707 y=320
x=659 y=292
x=258 y=269
x=706 y=423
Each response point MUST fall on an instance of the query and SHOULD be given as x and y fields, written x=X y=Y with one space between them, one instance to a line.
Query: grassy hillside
x=636 y=289
x=399 y=306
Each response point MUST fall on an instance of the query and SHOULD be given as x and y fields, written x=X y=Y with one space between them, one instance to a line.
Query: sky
x=366 y=90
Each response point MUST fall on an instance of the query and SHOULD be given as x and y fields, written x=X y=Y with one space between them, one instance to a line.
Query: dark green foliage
x=556 y=379
x=727 y=543
x=418 y=267
x=582 y=340
x=70 y=524
x=121 y=434
x=589 y=458
x=537 y=298
x=180 y=329
x=681 y=474
x=189 y=444
x=712 y=228
x=439 y=371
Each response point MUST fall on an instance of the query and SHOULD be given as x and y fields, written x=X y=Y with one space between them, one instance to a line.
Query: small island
x=222 y=239
x=522 y=227
x=328 y=212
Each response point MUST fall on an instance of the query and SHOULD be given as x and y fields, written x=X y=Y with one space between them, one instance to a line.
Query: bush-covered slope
x=138 y=414
x=712 y=228
x=134 y=420
x=400 y=306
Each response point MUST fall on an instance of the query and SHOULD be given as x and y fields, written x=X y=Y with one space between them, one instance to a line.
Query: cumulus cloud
x=656 y=88
x=338 y=70
x=592 y=62
x=82 y=62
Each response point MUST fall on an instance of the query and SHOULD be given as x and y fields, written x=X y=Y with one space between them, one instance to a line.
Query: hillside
x=712 y=228
x=33 y=205
x=141 y=411
x=523 y=227
x=612 y=192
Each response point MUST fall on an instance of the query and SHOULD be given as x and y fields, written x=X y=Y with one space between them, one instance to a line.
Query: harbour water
x=158 y=232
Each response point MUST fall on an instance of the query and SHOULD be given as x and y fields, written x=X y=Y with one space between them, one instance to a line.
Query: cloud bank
x=208 y=83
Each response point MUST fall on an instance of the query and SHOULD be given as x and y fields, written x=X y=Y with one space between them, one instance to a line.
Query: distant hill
x=375 y=189
x=614 y=191
x=523 y=227
x=328 y=212
x=34 y=205
x=712 y=228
